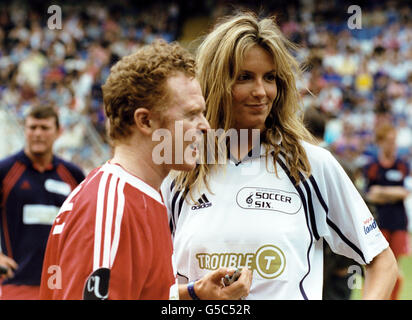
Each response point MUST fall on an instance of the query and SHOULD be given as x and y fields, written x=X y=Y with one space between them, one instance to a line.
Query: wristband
x=191 y=290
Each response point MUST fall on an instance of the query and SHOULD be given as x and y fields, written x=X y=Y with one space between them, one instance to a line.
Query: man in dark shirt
x=385 y=189
x=34 y=184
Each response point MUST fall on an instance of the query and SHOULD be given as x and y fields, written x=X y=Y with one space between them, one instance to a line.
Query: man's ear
x=142 y=121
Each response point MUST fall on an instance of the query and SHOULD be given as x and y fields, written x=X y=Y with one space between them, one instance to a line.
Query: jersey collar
x=29 y=163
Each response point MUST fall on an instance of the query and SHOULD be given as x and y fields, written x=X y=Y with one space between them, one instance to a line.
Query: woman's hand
x=211 y=287
x=9 y=264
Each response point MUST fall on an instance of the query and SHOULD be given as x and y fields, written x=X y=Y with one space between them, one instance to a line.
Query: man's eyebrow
x=196 y=109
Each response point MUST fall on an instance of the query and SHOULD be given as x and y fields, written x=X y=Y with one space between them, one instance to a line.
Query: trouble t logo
x=269 y=261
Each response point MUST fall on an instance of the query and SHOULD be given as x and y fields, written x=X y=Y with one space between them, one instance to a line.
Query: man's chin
x=38 y=152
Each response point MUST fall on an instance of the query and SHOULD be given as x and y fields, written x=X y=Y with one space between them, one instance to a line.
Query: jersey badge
x=58 y=187
x=25 y=185
x=268 y=199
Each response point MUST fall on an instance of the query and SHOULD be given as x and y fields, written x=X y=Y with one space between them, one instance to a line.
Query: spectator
x=34 y=184
x=385 y=189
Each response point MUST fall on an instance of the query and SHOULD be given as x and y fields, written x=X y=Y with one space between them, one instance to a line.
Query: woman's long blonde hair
x=219 y=58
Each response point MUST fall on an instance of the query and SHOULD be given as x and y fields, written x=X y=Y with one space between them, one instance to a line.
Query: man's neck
x=40 y=161
x=387 y=160
x=139 y=163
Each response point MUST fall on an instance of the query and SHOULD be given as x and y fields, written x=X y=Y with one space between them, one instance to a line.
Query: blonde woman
x=275 y=196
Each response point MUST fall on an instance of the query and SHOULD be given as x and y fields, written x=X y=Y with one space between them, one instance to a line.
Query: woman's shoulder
x=316 y=152
x=319 y=156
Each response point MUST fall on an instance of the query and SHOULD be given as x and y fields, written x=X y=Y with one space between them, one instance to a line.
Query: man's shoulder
x=73 y=168
x=11 y=157
x=7 y=163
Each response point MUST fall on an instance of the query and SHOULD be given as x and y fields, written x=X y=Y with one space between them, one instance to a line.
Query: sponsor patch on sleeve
x=97 y=285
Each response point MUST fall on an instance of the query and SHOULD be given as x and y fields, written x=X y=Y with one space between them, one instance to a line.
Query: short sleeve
x=344 y=221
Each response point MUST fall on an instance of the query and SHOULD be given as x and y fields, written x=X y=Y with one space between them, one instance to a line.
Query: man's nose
x=204 y=124
x=37 y=130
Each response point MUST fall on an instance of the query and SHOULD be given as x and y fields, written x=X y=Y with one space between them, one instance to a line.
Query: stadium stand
x=68 y=66
x=358 y=77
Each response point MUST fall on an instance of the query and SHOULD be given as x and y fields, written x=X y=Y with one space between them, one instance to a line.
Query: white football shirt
x=256 y=219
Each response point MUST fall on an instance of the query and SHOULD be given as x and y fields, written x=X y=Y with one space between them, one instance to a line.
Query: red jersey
x=110 y=240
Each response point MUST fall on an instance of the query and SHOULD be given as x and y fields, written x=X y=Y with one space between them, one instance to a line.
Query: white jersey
x=256 y=219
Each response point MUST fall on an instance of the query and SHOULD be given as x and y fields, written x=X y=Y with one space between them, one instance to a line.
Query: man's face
x=184 y=119
x=388 y=144
x=40 y=135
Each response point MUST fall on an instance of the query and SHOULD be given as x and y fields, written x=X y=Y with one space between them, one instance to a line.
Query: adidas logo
x=202 y=203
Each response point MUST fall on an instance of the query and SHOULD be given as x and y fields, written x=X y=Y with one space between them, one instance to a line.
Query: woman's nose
x=258 y=89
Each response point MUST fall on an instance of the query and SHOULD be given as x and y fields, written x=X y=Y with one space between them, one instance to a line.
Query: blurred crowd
x=358 y=78
x=67 y=66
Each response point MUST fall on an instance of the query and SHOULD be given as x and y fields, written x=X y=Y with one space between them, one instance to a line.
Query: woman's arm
x=380 y=276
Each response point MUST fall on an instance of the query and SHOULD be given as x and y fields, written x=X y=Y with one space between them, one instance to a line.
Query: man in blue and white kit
x=34 y=184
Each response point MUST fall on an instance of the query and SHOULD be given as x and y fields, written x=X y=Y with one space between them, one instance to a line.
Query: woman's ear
x=142 y=121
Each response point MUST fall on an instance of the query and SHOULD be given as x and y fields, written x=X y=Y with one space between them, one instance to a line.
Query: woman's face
x=254 y=90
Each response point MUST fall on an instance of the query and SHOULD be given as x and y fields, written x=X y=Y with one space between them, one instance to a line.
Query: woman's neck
x=244 y=142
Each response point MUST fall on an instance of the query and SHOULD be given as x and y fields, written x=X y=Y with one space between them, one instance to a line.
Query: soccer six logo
x=268 y=199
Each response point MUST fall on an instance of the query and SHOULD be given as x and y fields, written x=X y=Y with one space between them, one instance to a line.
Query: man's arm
x=7 y=263
x=386 y=194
